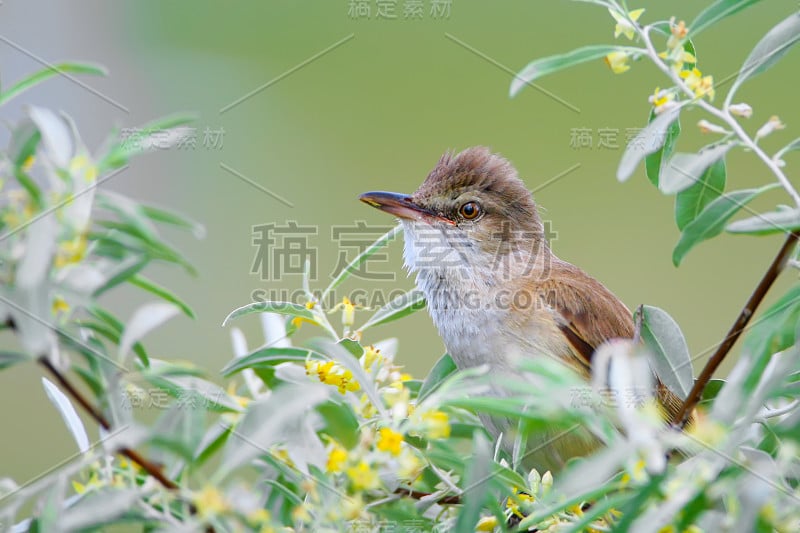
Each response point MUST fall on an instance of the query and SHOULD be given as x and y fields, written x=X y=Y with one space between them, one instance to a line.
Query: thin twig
x=747 y=312
x=95 y=413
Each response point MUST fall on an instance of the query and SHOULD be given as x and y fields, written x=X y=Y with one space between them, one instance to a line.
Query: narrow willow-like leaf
x=684 y=170
x=690 y=202
x=443 y=368
x=647 y=141
x=144 y=283
x=653 y=163
x=771 y=48
x=8 y=359
x=41 y=75
x=716 y=12
x=268 y=357
x=281 y=308
x=144 y=319
x=363 y=256
x=780 y=221
x=672 y=361
x=776 y=328
x=476 y=488
x=548 y=65
x=122 y=149
x=123 y=274
x=68 y=413
x=400 y=306
x=712 y=220
x=794 y=145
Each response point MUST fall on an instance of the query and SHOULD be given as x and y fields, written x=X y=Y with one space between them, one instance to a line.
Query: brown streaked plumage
x=473 y=206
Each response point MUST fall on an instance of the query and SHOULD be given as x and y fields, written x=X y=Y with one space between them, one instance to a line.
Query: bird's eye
x=470 y=210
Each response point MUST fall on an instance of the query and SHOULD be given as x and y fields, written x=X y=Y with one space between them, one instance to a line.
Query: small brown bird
x=494 y=288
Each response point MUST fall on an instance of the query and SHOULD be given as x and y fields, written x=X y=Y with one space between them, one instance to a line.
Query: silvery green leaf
x=56 y=135
x=99 y=507
x=476 y=483
x=8 y=359
x=780 y=221
x=282 y=308
x=716 y=12
x=647 y=141
x=40 y=246
x=81 y=278
x=267 y=422
x=145 y=319
x=274 y=328
x=400 y=306
x=67 y=412
x=769 y=49
x=653 y=163
x=684 y=170
x=49 y=518
x=443 y=368
x=671 y=358
x=794 y=145
x=548 y=65
x=382 y=241
x=51 y=70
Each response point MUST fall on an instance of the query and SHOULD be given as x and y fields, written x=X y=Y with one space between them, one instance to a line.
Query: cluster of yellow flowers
x=332 y=373
x=681 y=61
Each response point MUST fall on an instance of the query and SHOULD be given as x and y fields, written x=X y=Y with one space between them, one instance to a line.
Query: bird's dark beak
x=400 y=205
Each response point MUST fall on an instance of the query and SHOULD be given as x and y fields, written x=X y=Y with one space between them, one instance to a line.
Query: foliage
x=333 y=435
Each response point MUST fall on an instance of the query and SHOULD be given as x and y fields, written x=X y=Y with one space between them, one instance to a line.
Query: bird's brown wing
x=588 y=314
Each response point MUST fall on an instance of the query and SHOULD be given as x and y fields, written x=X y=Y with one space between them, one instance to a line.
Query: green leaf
x=794 y=145
x=780 y=221
x=443 y=368
x=716 y=12
x=37 y=77
x=122 y=149
x=145 y=319
x=281 y=308
x=363 y=256
x=776 y=329
x=174 y=219
x=340 y=422
x=712 y=219
x=672 y=361
x=269 y=357
x=771 y=48
x=476 y=487
x=691 y=201
x=649 y=140
x=143 y=283
x=710 y=391
x=8 y=359
x=400 y=306
x=684 y=170
x=653 y=162
x=548 y=65
x=122 y=275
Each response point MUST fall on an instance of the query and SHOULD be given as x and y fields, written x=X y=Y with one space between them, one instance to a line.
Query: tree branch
x=736 y=330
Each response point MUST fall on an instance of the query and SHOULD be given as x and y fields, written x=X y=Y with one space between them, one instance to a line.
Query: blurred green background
x=375 y=112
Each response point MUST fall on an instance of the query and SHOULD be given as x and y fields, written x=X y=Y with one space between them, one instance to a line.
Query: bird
x=496 y=291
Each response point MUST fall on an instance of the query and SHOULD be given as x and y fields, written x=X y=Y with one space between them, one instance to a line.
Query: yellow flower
x=618 y=62
x=699 y=84
x=348 y=312
x=298 y=321
x=486 y=523
x=437 y=424
x=353 y=508
x=60 y=305
x=82 y=166
x=331 y=373
x=679 y=32
x=624 y=26
x=363 y=477
x=337 y=457
x=71 y=251
x=28 y=163
x=371 y=356
x=210 y=502
x=661 y=99
x=389 y=440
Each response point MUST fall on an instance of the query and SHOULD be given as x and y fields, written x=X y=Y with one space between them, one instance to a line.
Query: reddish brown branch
x=736 y=330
